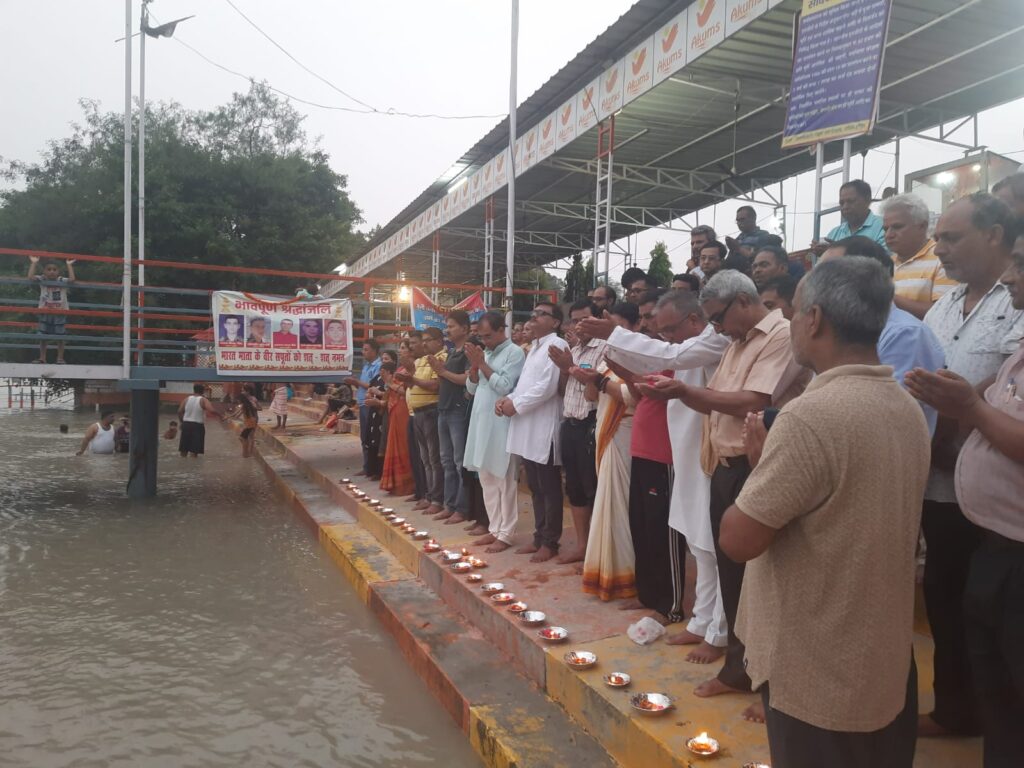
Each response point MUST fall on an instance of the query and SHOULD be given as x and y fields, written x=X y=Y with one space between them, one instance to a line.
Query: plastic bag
x=645 y=631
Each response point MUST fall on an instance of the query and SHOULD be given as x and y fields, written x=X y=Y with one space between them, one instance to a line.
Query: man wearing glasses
x=757 y=371
x=535 y=409
x=691 y=348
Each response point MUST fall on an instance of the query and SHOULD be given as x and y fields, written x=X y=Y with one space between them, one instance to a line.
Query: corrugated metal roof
x=944 y=59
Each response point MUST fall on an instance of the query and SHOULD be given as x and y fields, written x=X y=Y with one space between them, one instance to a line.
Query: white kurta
x=534 y=429
x=694 y=362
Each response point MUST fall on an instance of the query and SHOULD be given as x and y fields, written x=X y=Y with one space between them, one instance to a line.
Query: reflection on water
x=201 y=628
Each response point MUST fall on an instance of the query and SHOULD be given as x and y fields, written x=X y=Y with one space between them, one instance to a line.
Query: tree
x=576 y=284
x=534 y=278
x=660 y=269
x=240 y=185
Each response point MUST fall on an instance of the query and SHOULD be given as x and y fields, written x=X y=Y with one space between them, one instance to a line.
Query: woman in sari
x=396 y=476
x=608 y=567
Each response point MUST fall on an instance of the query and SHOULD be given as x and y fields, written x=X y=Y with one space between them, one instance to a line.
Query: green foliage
x=576 y=284
x=660 y=269
x=535 y=278
x=239 y=185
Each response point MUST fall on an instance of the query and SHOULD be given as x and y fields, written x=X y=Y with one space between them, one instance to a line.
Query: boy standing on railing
x=52 y=295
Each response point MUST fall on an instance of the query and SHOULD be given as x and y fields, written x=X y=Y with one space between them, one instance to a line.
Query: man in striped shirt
x=919 y=278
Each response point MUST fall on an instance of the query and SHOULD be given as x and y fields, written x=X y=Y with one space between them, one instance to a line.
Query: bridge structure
x=164 y=334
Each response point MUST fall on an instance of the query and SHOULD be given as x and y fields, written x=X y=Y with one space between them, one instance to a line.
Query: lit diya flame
x=702 y=744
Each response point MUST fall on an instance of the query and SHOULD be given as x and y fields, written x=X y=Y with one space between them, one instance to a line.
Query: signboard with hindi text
x=262 y=334
x=837 y=70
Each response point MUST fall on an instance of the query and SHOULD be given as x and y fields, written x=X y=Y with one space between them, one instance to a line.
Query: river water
x=201 y=628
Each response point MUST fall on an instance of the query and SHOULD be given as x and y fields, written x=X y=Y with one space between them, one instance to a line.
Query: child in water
x=172 y=431
x=122 y=436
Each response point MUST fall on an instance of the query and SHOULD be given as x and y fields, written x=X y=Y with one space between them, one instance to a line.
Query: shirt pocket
x=992 y=336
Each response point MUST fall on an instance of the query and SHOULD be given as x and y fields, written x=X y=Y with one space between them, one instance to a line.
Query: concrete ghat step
x=631 y=738
x=508 y=721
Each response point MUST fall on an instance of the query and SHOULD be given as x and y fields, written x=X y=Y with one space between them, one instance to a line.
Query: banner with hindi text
x=255 y=334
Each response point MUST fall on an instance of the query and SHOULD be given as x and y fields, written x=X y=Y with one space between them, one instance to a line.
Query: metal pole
x=846 y=160
x=819 y=165
x=896 y=167
x=126 y=274
x=510 y=228
x=142 y=167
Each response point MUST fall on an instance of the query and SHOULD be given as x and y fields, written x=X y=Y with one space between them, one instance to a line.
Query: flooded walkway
x=201 y=628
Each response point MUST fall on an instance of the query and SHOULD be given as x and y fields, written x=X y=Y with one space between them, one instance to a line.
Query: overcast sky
x=443 y=56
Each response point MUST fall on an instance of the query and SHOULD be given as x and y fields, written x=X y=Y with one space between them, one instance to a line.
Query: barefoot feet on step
x=542 y=555
x=714 y=687
x=686 y=637
x=497 y=546
x=705 y=653
x=754 y=713
x=570 y=556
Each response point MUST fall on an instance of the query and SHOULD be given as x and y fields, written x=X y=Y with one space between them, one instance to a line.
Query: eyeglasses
x=719 y=317
x=541 y=313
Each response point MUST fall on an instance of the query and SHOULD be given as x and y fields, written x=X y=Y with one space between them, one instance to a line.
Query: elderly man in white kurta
x=692 y=349
x=493 y=374
x=535 y=410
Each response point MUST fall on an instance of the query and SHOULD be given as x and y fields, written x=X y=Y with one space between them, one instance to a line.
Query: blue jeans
x=452 y=426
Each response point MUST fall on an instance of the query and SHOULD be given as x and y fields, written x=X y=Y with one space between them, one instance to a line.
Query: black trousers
x=660 y=551
x=994 y=612
x=577 y=446
x=726 y=484
x=796 y=744
x=475 y=508
x=419 y=473
x=951 y=540
x=545 y=481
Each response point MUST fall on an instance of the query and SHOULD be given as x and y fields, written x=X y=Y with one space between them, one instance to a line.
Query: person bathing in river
x=249 y=408
x=192 y=413
x=99 y=438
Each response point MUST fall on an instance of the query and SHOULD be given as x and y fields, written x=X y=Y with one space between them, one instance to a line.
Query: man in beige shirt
x=828 y=522
x=757 y=371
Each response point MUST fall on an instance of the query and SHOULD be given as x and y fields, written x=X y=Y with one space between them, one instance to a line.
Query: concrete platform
x=509 y=721
x=322 y=459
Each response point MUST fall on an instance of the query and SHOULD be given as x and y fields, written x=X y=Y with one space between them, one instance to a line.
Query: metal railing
x=167 y=323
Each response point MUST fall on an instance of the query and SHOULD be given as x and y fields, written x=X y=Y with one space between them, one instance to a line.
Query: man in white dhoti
x=692 y=349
